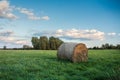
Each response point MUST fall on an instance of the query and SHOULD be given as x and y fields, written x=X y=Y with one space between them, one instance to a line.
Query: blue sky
x=93 y=22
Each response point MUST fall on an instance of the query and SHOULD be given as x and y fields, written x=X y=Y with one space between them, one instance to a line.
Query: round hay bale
x=75 y=52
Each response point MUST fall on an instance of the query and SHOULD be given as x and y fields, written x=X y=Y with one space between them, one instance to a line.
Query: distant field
x=43 y=65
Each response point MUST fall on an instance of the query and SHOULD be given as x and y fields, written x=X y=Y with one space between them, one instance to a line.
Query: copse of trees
x=43 y=43
x=110 y=46
x=107 y=46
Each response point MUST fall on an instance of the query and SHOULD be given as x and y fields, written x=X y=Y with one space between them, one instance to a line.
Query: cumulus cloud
x=6 y=33
x=6 y=10
x=81 y=34
x=13 y=40
x=92 y=34
x=112 y=34
x=21 y=42
x=8 y=37
x=45 y=18
x=31 y=15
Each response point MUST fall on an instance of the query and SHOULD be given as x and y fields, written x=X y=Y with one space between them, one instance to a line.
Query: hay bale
x=75 y=52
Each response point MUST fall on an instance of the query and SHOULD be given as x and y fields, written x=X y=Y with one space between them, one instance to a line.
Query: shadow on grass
x=64 y=61
x=90 y=60
x=58 y=60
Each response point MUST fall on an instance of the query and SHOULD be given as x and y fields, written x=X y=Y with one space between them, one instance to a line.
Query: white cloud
x=6 y=33
x=6 y=10
x=112 y=34
x=34 y=18
x=8 y=37
x=45 y=18
x=12 y=40
x=81 y=34
x=30 y=14
x=92 y=34
x=22 y=42
x=26 y=11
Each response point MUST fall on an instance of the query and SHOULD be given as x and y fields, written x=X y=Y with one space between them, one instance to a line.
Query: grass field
x=43 y=65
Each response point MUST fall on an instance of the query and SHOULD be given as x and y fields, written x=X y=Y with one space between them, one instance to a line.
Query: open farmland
x=43 y=65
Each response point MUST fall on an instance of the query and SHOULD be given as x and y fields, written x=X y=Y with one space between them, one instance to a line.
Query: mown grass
x=43 y=65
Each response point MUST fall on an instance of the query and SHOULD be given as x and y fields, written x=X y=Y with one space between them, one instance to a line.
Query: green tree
x=58 y=42
x=54 y=43
x=44 y=43
x=118 y=46
x=105 y=46
x=111 y=46
x=4 y=47
x=35 y=42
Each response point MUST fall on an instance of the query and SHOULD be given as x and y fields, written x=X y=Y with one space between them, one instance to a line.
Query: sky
x=93 y=22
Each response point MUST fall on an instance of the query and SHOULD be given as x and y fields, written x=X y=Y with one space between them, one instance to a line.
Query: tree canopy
x=43 y=43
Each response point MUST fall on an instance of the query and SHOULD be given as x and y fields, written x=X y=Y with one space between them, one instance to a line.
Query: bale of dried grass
x=75 y=52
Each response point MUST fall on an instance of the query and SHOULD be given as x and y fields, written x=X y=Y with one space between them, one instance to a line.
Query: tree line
x=107 y=46
x=45 y=43
x=52 y=43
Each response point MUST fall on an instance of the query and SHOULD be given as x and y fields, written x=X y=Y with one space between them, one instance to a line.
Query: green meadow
x=43 y=65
